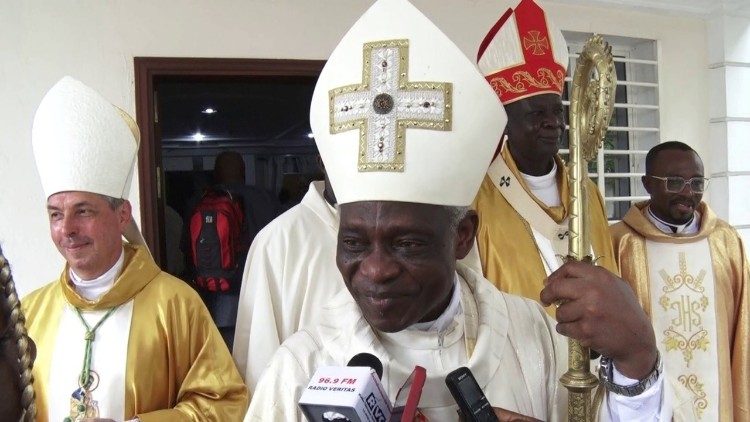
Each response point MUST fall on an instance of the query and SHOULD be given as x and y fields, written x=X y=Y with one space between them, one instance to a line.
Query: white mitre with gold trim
x=84 y=143
x=399 y=113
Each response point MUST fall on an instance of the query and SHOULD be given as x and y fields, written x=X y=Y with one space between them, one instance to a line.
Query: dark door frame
x=151 y=180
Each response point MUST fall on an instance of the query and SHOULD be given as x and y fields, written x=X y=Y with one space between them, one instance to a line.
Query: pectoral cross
x=385 y=104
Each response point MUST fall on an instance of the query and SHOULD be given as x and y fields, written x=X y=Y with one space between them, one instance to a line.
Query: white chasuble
x=515 y=364
x=683 y=312
x=289 y=275
x=108 y=360
x=508 y=342
x=551 y=238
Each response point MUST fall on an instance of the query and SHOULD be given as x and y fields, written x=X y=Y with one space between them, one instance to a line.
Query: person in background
x=523 y=202
x=260 y=207
x=289 y=275
x=690 y=272
x=257 y=208
x=173 y=229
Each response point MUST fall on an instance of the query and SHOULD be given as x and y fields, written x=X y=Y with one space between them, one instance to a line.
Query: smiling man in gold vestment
x=118 y=339
x=690 y=272
x=523 y=202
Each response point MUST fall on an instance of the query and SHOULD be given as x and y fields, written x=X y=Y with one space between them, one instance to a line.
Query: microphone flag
x=350 y=393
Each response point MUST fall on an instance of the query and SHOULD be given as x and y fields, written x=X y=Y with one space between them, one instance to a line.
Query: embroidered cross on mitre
x=385 y=104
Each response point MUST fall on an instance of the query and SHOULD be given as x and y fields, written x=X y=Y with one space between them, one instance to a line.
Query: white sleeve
x=279 y=389
x=256 y=334
x=651 y=405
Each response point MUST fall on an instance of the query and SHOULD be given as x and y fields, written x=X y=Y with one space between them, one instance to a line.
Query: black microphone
x=367 y=360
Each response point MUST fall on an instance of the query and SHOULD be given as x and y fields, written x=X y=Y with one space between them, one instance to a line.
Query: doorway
x=190 y=112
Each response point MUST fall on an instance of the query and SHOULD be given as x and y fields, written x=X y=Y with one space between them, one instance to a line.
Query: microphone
x=351 y=393
x=367 y=360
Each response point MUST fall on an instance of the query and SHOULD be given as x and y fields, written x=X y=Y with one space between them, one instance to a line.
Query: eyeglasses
x=675 y=184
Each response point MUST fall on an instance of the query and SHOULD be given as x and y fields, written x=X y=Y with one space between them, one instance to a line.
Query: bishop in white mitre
x=406 y=127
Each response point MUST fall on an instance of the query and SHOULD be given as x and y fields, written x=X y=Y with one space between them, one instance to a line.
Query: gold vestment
x=507 y=248
x=178 y=367
x=730 y=267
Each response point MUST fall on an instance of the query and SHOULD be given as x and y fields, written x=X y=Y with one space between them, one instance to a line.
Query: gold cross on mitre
x=385 y=104
x=536 y=42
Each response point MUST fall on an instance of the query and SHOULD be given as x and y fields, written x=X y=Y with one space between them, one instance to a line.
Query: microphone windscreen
x=367 y=360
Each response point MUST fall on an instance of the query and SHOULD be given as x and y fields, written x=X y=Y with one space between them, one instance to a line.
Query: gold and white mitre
x=84 y=143
x=524 y=54
x=399 y=113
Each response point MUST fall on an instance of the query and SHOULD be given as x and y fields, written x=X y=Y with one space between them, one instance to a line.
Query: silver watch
x=606 y=368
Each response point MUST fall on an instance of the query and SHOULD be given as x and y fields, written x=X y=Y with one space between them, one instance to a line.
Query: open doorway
x=251 y=115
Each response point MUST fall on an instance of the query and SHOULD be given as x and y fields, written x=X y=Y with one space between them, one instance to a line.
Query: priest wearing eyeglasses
x=690 y=272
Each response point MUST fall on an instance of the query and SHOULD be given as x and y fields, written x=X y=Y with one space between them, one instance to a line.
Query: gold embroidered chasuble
x=702 y=330
x=178 y=367
x=509 y=252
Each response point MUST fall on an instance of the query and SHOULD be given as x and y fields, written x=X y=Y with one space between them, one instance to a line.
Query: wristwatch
x=606 y=368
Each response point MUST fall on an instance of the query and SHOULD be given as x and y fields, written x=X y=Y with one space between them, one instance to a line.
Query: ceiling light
x=209 y=110
x=197 y=136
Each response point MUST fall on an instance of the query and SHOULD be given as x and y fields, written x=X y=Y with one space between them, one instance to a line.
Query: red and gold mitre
x=524 y=54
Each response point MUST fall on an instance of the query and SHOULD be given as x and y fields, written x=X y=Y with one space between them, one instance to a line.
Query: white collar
x=691 y=227
x=446 y=318
x=94 y=289
x=544 y=187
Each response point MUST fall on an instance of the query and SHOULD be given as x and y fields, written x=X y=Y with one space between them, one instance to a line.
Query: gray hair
x=113 y=202
x=455 y=215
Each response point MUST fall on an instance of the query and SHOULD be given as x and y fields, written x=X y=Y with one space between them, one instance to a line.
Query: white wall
x=729 y=113
x=95 y=41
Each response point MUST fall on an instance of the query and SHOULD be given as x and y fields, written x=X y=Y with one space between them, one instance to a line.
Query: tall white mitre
x=84 y=143
x=399 y=113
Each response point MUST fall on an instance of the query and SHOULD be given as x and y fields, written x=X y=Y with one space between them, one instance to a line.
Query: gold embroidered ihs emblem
x=684 y=298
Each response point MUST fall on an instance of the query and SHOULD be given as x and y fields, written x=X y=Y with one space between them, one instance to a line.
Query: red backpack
x=215 y=240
